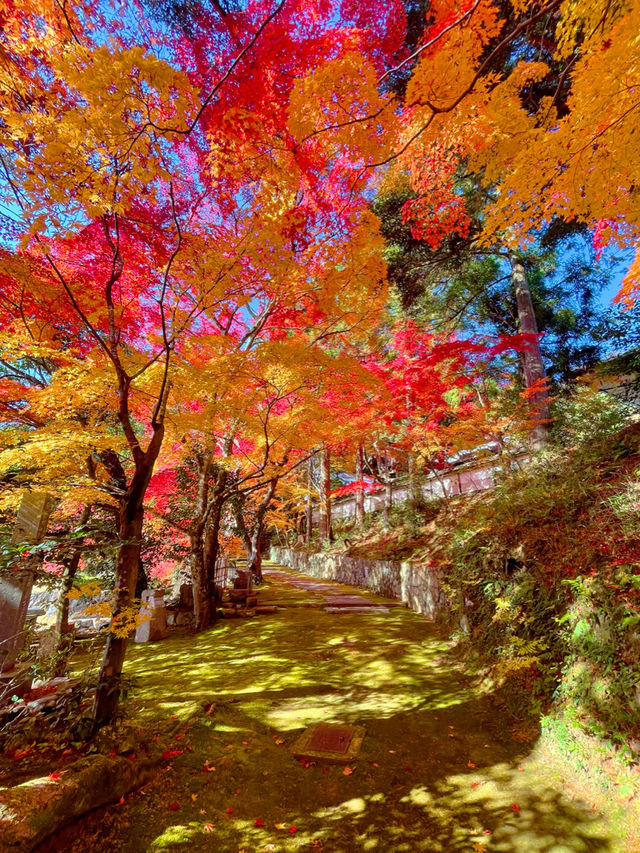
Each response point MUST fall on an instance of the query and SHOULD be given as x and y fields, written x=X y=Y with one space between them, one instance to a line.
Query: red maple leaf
x=171 y=753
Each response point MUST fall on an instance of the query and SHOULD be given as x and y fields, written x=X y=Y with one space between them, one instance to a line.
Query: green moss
x=440 y=764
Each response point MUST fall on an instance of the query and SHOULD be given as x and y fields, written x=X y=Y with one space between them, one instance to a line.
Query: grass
x=441 y=769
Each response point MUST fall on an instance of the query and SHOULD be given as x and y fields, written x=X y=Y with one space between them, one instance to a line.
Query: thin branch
x=430 y=43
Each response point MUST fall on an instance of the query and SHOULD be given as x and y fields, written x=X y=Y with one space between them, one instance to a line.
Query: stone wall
x=418 y=585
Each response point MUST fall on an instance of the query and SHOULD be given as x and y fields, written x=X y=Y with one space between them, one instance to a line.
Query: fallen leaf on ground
x=479 y=847
x=54 y=776
x=348 y=771
x=229 y=810
x=258 y=822
x=515 y=807
x=171 y=753
x=208 y=827
x=207 y=768
x=280 y=825
x=293 y=830
x=279 y=740
x=21 y=753
x=174 y=806
x=392 y=751
x=121 y=801
x=375 y=764
x=194 y=797
x=470 y=764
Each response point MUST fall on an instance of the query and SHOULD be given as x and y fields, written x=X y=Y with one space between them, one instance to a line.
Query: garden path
x=441 y=769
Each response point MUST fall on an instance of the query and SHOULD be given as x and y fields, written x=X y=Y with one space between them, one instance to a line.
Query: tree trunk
x=237 y=506
x=70 y=569
x=388 y=502
x=142 y=581
x=360 y=492
x=533 y=366
x=324 y=523
x=212 y=547
x=108 y=691
x=199 y=579
x=255 y=556
x=309 y=508
x=252 y=539
x=131 y=518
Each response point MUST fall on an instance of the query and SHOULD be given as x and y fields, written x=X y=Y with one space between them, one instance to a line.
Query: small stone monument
x=153 y=617
x=186 y=596
x=47 y=644
x=15 y=590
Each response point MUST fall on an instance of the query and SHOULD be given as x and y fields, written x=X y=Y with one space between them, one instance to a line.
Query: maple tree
x=150 y=207
x=190 y=264
x=570 y=112
x=476 y=104
x=436 y=395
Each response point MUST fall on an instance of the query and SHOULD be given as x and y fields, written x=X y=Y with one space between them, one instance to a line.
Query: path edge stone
x=35 y=810
x=417 y=585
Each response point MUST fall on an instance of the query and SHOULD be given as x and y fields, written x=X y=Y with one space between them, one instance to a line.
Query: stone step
x=374 y=609
x=348 y=601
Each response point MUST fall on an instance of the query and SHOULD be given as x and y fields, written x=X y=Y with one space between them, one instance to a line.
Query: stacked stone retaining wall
x=417 y=585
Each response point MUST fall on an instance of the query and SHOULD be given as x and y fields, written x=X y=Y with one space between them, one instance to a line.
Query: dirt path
x=439 y=768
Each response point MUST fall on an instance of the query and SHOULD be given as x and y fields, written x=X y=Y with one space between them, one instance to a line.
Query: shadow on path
x=439 y=768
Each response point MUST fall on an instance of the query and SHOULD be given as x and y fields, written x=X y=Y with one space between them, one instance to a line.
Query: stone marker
x=329 y=744
x=15 y=590
x=33 y=517
x=154 y=614
x=48 y=644
x=186 y=596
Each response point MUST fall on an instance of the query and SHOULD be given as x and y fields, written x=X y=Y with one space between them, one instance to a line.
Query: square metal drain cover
x=329 y=744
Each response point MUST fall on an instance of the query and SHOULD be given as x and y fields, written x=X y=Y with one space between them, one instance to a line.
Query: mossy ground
x=440 y=769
